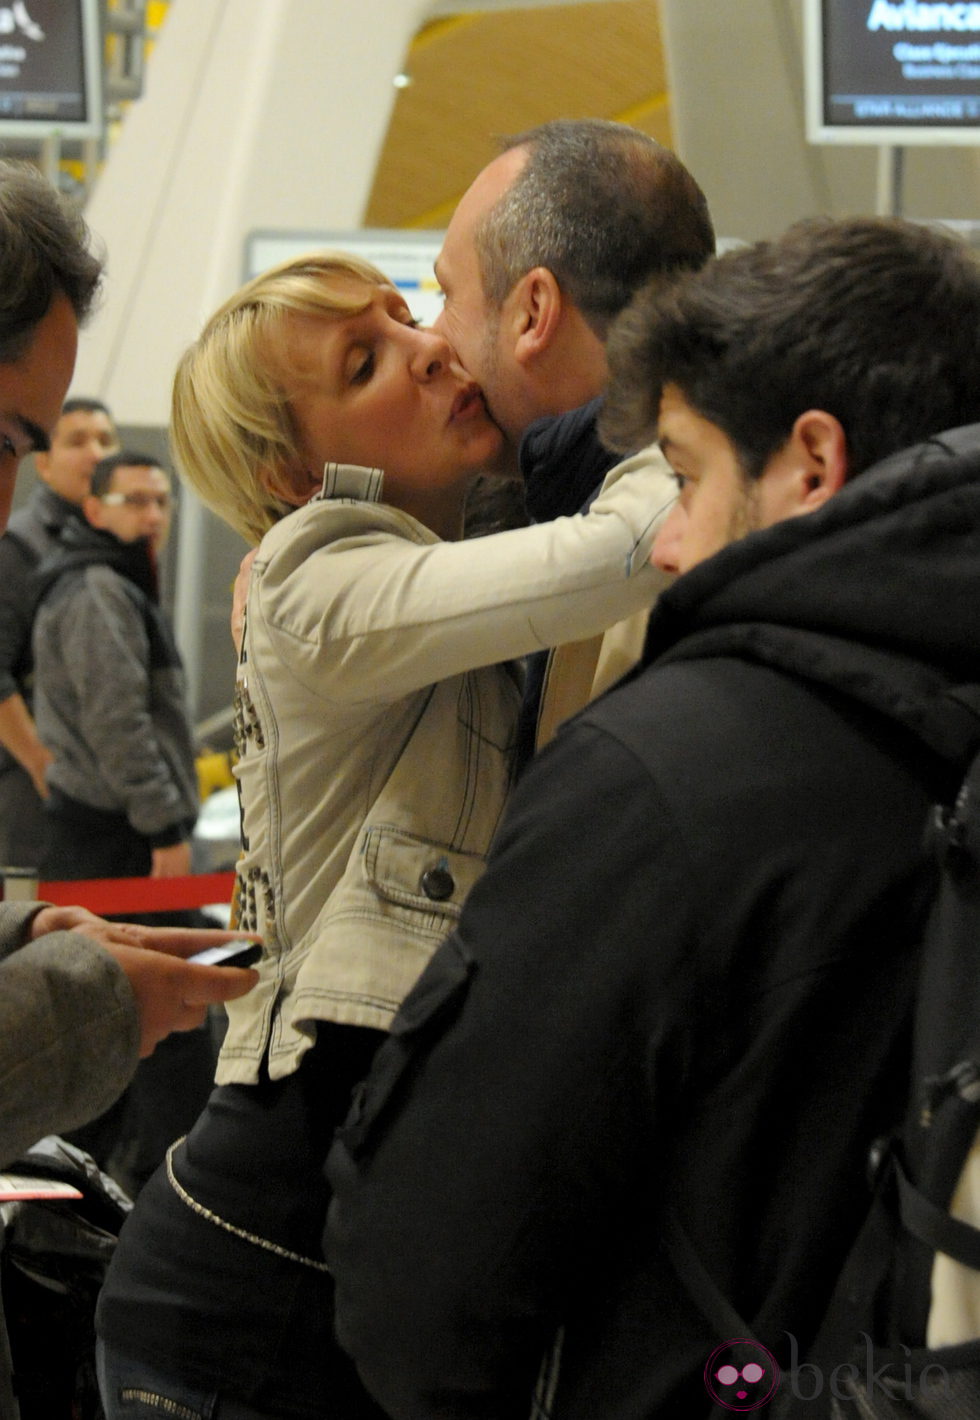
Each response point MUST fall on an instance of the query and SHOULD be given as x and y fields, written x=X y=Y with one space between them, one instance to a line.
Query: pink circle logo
x=741 y=1375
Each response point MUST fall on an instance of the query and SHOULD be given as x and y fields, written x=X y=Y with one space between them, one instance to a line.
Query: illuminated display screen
x=893 y=71
x=405 y=257
x=50 y=67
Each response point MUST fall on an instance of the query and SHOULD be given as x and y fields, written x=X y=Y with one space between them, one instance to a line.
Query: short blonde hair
x=230 y=416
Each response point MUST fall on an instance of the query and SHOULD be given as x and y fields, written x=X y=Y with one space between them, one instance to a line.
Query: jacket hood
x=563 y=463
x=81 y=545
x=876 y=595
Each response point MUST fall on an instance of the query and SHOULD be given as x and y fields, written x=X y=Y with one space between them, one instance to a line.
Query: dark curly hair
x=875 y=320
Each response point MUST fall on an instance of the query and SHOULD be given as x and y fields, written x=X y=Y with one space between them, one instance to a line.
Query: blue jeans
x=132 y=1391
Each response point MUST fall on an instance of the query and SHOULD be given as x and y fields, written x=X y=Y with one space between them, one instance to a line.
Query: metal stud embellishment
x=254 y=884
x=246 y=725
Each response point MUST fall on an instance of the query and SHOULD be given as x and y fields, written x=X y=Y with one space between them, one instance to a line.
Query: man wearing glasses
x=123 y=797
x=110 y=688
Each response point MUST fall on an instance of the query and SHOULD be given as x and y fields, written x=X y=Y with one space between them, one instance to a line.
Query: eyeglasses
x=139 y=501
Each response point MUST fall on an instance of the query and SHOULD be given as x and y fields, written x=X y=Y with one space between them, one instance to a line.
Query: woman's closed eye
x=362 y=359
x=362 y=367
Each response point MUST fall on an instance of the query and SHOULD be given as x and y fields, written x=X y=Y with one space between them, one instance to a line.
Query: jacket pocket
x=417 y=873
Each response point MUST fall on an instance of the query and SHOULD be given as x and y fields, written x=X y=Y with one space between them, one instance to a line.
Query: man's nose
x=665 y=553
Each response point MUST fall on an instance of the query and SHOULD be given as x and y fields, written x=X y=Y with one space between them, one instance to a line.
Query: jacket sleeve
x=69 y=1032
x=105 y=655
x=15 y=920
x=377 y=614
x=486 y=1157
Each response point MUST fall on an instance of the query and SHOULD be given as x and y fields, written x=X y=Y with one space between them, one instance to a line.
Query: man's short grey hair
x=603 y=207
x=44 y=250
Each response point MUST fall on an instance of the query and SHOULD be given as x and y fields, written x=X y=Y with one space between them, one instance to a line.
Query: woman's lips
x=467 y=403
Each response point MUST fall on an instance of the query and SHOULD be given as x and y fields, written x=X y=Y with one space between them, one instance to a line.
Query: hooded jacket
x=680 y=994
x=31 y=537
x=109 y=693
x=32 y=534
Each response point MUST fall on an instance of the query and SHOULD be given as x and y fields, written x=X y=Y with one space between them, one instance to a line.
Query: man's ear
x=534 y=308
x=290 y=485
x=819 y=445
x=93 y=509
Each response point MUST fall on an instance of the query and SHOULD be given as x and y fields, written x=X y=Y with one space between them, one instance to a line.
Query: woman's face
x=373 y=389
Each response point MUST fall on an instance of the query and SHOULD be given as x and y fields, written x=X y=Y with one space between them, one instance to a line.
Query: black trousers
x=23 y=823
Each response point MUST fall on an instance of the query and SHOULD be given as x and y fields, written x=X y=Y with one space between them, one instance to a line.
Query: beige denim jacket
x=376 y=712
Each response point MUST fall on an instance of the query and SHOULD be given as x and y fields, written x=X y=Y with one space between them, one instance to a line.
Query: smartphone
x=240 y=953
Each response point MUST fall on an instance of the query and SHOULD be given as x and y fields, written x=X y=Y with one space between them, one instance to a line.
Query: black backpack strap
x=865 y=1267
x=933 y=1226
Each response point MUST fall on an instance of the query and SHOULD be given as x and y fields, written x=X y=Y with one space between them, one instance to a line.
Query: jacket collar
x=563 y=463
x=349 y=480
x=54 y=511
x=81 y=545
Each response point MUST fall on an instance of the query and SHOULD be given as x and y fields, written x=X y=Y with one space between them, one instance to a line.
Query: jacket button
x=438 y=883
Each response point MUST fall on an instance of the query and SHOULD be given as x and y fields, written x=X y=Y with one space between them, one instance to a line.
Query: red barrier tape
x=139 y=895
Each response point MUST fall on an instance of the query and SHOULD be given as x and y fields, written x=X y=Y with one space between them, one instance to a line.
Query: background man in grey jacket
x=109 y=687
x=80 y=999
x=111 y=707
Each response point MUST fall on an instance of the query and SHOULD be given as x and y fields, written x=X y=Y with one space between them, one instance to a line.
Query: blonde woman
x=376 y=708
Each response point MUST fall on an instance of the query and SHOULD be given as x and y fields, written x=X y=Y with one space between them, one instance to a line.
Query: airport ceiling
x=477 y=77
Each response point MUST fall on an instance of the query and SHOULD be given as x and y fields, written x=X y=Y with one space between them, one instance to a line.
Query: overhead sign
x=893 y=71
x=50 y=68
x=405 y=257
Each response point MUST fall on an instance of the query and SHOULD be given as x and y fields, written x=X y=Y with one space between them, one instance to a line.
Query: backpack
x=53 y=1260
x=914 y=1268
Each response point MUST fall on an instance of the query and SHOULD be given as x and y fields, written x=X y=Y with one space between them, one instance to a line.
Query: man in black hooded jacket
x=647 y=1069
